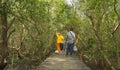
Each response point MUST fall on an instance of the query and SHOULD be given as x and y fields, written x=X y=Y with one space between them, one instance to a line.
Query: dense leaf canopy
x=29 y=26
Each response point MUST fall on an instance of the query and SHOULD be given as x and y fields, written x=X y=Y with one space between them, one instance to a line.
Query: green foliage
x=35 y=22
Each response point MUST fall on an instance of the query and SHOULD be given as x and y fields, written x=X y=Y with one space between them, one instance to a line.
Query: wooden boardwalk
x=60 y=62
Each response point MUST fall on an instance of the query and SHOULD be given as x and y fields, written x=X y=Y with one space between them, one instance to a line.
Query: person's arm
x=76 y=40
x=66 y=38
x=57 y=35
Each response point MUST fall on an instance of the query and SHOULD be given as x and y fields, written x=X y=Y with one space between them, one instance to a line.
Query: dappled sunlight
x=57 y=59
x=63 y=62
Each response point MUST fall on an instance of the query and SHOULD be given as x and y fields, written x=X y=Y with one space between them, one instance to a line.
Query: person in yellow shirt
x=62 y=48
x=60 y=40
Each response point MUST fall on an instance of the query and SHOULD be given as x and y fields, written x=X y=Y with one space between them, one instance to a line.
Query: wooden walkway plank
x=60 y=62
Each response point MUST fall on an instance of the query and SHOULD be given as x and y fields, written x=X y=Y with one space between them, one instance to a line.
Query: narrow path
x=60 y=62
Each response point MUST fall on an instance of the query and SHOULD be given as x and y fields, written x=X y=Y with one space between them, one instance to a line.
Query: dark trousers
x=69 y=48
x=61 y=46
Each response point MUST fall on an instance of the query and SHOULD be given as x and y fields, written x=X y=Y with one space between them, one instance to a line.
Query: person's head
x=71 y=29
x=58 y=33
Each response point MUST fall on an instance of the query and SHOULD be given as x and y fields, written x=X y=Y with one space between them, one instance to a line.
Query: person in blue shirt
x=70 y=38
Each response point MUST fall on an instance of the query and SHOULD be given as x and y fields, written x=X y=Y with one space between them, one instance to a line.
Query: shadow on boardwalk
x=60 y=62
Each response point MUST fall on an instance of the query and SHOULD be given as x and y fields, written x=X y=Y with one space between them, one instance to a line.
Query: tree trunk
x=4 y=44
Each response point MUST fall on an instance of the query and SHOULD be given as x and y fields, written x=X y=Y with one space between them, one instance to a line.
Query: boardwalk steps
x=60 y=62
